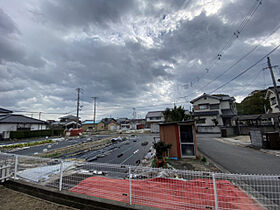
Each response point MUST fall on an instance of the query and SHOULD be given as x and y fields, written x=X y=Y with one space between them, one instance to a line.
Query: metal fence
x=159 y=188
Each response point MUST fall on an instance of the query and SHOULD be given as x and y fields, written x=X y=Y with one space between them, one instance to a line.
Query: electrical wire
x=246 y=70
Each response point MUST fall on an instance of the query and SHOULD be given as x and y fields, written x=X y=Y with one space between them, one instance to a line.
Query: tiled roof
x=218 y=97
x=5 y=111
x=68 y=117
x=155 y=114
x=228 y=113
x=13 y=118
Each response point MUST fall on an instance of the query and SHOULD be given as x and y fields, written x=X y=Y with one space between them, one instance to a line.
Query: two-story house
x=271 y=96
x=153 y=119
x=214 y=110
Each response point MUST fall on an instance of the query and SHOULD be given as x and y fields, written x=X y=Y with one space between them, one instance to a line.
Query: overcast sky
x=131 y=53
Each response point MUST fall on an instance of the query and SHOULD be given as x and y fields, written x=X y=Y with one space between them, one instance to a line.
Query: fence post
x=215 y=192
x=61 y=175
x=130 y=175
x=16 y=167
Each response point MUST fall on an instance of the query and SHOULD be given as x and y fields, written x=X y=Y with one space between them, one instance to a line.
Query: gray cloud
x=72 y=13
x=128 y=53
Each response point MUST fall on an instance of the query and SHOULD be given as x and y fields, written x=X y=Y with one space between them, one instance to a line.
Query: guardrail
x=160 y=188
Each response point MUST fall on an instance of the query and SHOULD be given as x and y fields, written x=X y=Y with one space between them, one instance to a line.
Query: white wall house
x=14 y=122
x=271 y=96
x=153 y=119
x=208 y=109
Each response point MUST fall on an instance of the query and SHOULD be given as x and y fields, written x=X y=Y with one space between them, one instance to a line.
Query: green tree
x=175 y=114
x=161 y=149
x=253 y=104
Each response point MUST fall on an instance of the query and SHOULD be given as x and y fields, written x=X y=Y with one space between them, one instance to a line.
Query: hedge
x=37 y=133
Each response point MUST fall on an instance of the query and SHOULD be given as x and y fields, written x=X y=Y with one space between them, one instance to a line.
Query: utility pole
x=78 y=105
x=94 y=110
x=270 y=67
x=134 y=113
x=39 y=125
x=134 y=118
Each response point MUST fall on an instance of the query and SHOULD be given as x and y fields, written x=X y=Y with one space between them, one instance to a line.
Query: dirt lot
x=10 y=199
x=194 y=164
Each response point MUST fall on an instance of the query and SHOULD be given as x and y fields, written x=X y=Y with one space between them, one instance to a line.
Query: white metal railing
x=160 y=188
x=4 y=172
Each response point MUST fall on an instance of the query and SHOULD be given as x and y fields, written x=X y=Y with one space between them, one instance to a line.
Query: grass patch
x=29 y=144
x=53 y=155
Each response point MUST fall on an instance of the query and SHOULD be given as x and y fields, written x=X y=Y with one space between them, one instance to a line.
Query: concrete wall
x=225 y=105
x=13 y=127
x=245 y=130
x=155 y=128
x=8 y=127
x=208 y=129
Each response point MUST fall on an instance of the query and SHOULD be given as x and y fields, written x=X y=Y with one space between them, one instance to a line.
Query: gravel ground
x=10 y=199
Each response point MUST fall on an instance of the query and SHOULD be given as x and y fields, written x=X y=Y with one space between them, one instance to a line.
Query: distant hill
x=253 y=104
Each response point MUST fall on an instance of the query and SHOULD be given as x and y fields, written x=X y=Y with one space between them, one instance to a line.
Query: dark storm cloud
x=81 y=14
x=11 y=48
x=8 y=33
x=201 y=34
x=128 y=53
x=265 y=19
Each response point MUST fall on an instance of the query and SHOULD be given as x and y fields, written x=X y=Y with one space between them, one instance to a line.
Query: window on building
x=187 y=143
x=155 y=118
x=203 y=106
x=214 y=106
x=273 y=101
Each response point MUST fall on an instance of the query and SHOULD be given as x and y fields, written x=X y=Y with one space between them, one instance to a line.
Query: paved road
x=131 y=152
x=238 y=159
x=246 y=160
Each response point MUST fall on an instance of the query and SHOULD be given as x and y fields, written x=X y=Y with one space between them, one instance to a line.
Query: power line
x=234 y=36
x=244 y=71
x=244 y=56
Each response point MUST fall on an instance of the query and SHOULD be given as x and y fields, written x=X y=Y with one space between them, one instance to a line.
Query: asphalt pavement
x=245 y=160
x=237 y=159
x=128 y=153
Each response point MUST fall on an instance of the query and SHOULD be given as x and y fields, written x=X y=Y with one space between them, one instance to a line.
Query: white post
x=215 y=192
x=130 y=176
x=61 y=175
x=16 y=166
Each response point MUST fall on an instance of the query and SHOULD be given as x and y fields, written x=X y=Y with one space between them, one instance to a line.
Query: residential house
x=89 y=125
x=271 y=96
x=123 y=123
x=100 y=126
x=213 y=110
x=107 y=124
x=153 y=119
x=136 y=124
x=15 y=122
x=5 y=111
x=69 y=121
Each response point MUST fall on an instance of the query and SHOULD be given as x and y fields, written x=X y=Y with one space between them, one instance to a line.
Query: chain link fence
x=154 y=187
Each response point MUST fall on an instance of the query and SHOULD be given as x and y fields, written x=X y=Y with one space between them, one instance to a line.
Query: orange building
x=182 y=136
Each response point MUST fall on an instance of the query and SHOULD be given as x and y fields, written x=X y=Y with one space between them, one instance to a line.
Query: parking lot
x=128 y=150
